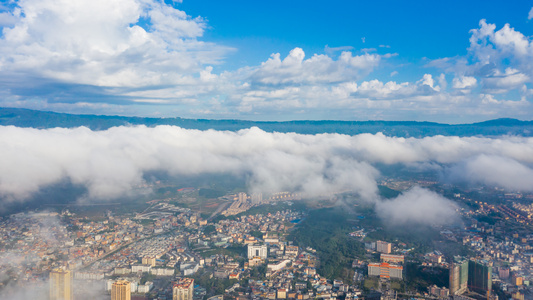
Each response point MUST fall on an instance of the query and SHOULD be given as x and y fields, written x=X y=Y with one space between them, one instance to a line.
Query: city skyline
x=450 y=63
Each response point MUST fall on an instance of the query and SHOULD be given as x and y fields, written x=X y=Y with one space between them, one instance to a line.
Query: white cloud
x=417 y=206
x=494 y=171
x=464 y=82
x=374 y=98
x=7 y=19
x=332 y=50
x=295 y=69
x=530 y=15
x=491 y=47
x=344 y=93
x=439 y=149
x=367 y=50
x=501 y=82
x=502 y=60
x=102 y=43
x=377 y=89
x=111 y=163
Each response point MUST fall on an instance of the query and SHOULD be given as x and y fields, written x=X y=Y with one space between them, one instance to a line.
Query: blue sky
x=452 y=62
x=416 y=29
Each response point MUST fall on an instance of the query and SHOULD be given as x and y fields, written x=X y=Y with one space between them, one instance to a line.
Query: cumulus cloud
x=376 y=89
x=318 y=69
x=503 y=58
x=121 y=43
x=417 y=206
x=464 y=82
x=375 y=99
x=500 y=62
x=347 y=97
x=501 y=82
x=491 y=46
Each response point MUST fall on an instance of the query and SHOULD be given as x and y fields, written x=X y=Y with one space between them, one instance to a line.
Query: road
x=219 y=210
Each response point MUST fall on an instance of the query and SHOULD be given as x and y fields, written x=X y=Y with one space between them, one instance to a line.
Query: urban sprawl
x=173 y=252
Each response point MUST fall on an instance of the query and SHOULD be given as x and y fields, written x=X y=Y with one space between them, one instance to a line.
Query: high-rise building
x=383 y=247
x=121 y=290
x=517 y=279
x=183 y=289
x=242 y=197
x=518 y=296
x=479 y=277
x=257 y=251
x=257 y=198
x=60 y=284
x=149 y=260
x=503 y=272
x=458 y=277
x=385 y=270
x=442 y=293
x=472 y=275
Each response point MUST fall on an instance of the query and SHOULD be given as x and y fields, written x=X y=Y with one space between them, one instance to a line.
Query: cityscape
x=250 y=248
x=266 y=150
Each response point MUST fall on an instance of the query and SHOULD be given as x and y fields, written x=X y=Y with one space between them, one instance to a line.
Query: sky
x=448 y=62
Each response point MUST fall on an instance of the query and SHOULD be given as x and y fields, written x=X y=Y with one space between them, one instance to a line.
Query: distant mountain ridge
x=43 y=119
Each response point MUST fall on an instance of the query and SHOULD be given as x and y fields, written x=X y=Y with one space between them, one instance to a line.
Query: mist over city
x=111 y=163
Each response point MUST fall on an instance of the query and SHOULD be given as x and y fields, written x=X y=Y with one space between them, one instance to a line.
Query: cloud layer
x=111 y=163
